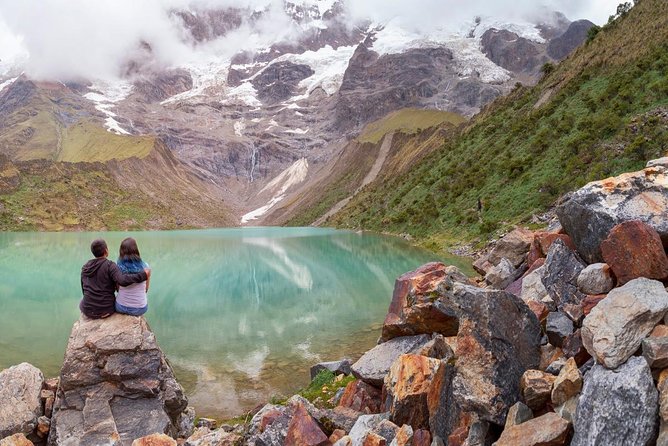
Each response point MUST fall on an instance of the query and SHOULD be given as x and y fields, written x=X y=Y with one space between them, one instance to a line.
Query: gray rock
x=478 y=433
x=513 y=247
x=20 y=404
x=502 y=275
x=555 y=367
x=533 y=287
x=617 y=407
x=215 y=438
x=568 y=410
x=337 y=367
x=562 y=268
x=115 y=383
x=364 y=425
x=596 y=278
x=498 y=340
x=659 y=162
x=518 y=414
x=558 y=327
x=614 y=329
x=375 y=364
x=589 y=214
x=655 y=351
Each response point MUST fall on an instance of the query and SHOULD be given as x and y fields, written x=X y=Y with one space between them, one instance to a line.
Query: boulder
x=303 y=430
x=421 y=437
x=513 y=247
x=659 y=331
x=655 y=351
x=617 y=407
x=361 y=397
x=502 y=275
x=568 y=384
x=562 y=268
x=375 y=364
x=547 y=430
x=20 y=403
x=518 y=414
x=549 y=354
x=663 y=408
x=373 y=439
x=445 y=414
x=539 y=309
x=555 y=367
x=614 y=329
x=387 y=430
x=533 y=288
x=536 y=388
x=589 y=214
x=337 y=367
x=558 y=327
x=216 y=438
x=596 y=278
x=16 y=440
x=407 y=387
x=269 y=426
x=568 y=410
x=437 y=348
x=364 y=425
x=498 y=340
x=115 y=385
x=404 y=436
x=542 y=242
x=420 y=302
x=516 y=287
x=155 y=440
x=337 y=435
x=634 y=249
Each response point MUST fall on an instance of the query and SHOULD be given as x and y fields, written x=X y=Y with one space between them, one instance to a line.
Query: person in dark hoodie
x=99 y=277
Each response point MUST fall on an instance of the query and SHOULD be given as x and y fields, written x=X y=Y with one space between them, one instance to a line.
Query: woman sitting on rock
x=131 y=299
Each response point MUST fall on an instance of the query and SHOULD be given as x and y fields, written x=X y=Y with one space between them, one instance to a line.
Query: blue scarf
x=131 y=266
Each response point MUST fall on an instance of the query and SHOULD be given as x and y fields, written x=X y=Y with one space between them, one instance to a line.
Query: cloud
x=86 y=39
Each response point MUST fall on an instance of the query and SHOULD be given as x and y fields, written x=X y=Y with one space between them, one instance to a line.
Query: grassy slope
x=603 y=117
x=358 y=157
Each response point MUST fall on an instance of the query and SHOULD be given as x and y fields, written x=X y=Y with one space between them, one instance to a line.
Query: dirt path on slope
x=371 y=176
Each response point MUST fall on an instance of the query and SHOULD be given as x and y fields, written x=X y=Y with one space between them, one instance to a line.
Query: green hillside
x=601 y=112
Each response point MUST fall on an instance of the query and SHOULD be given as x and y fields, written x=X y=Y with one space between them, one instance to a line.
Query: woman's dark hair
x=129 y=250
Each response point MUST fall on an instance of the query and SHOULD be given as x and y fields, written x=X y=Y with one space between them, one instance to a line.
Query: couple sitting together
x=101 y=278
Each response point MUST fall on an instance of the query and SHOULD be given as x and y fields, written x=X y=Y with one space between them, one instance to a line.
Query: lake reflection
x=240 y=313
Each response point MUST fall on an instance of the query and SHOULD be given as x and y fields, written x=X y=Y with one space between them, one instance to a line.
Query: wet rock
x=634 y=249
x=407 y=387
x=303 y=430
x=558 y=327
x=589 y=214
x=574 y=348
x=155 y=440
x=562 y=269
x=337 y=367
x=596 y=278
x=361 y=397
x=518 y=414
x=20 y=404
x=547 y=430
x=617 y=407
x=536 y=388
x=513 y=247
x=420 y=302
x=115 y=383
x=614 y=329
x=375 y=364
x=568 y=384
x=16 y=440
x=590 y=302
x=498 y=340
x=655 y=351
x=502 y=275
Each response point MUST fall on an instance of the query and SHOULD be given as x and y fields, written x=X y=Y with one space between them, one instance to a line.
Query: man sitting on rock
x=99 y=279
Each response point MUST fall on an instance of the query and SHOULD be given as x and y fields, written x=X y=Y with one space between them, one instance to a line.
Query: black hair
x=129 y=250
x=98 y=247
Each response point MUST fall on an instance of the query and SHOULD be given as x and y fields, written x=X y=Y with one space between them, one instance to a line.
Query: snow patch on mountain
x=244 y=94
x=7 y=83
x=470 y=61
x=208 y=79
x=291 y=176
x=105 y=95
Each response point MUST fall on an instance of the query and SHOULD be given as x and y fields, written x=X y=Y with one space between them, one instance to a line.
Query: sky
x=92 y=39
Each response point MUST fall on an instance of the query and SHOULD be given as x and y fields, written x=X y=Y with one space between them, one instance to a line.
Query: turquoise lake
x=240 y=313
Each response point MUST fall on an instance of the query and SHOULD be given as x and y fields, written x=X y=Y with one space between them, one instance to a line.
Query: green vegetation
x=407 y=120
x=599 y=113
x=87 y=142
x=321 y=389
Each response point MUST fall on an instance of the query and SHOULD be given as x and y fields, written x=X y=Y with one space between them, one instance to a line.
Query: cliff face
x=116 y=386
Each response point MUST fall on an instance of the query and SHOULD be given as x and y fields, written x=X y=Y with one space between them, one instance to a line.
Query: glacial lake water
x=241 y=313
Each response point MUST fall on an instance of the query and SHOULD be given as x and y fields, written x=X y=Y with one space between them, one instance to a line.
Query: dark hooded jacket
x=99 y=278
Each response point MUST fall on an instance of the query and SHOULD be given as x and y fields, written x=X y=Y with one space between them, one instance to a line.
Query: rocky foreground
x=563 y=341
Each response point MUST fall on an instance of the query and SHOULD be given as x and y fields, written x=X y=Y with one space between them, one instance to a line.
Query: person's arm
x=147 y=268
x=126 y=279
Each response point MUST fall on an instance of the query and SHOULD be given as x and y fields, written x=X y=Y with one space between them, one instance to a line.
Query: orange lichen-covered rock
x=547 y=430
x=303 y=430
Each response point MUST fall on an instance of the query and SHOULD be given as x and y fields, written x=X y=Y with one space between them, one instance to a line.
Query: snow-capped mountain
x=257 y=110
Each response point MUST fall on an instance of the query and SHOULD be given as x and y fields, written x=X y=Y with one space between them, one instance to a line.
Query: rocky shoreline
x=564 y=340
